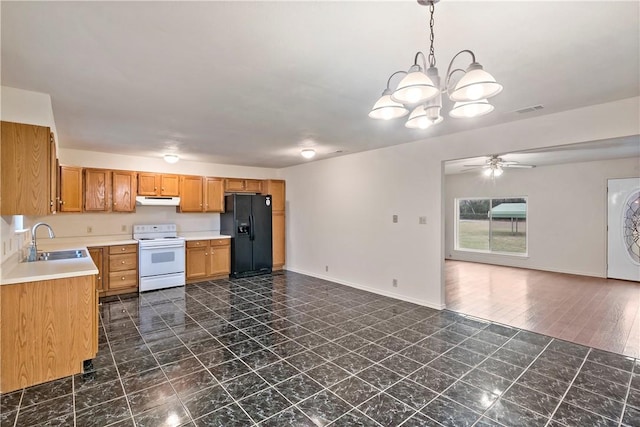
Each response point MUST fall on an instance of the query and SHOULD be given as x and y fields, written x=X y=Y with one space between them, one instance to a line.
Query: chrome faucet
x=33 y=249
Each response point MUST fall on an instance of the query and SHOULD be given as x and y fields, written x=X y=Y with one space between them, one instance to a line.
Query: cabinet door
x=277 y=190
x=124 y=191
x=97 y=255
x=169 y=185
x=197 y=258
x=277 y=229
x=148 y=183
x=53 y=175
x=97 y=189
x=70 y=189
x=220 y=259
x=25 y=169
x=191 y=194
x=253 y=185
x=232 y=185
x=214 y=195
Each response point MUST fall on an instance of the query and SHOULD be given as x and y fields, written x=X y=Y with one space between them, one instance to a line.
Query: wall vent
x=530 y=109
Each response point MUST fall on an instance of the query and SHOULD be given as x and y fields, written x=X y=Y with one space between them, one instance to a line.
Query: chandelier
x=420 y=90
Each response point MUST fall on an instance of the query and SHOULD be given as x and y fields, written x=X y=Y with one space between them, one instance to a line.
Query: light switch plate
x=422 y=220
x=395 y=219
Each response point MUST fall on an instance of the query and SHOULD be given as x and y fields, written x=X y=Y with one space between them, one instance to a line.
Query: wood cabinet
x=53 y=175
x=124 y=191
x=70 y=189
x=26 y=175
x=97 y=254
x=207 y=259
x=120 y=273
x=97 y=190
x=201 y=194
x=156 y=184
x=49 y=328
x=213 y=194
x=239 y=185
x=276 y=188
x=191 y=194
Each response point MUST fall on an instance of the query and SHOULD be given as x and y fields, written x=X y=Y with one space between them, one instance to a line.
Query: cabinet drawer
x=220 y=242
x=123 y=279
x=123 y=249
x=123 y=262
x=197 y=243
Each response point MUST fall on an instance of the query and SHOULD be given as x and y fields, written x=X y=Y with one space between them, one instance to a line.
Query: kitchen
x=339 y=210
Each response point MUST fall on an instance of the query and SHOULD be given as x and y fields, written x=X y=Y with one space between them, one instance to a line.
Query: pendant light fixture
x=420 y=91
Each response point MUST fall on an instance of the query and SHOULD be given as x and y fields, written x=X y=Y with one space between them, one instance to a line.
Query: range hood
x=157 y=201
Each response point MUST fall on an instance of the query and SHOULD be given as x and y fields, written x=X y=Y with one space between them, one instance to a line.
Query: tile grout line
x=561 y=400
x=626 y=398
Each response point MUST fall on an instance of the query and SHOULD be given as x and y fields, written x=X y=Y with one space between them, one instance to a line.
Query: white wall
x=339 y=210
x=567 y=205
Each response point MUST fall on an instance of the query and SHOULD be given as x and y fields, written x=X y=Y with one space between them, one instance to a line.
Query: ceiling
x=606 y=149
x=251 y=83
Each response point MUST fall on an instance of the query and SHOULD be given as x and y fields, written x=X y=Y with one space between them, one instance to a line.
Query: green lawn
x=475 y=235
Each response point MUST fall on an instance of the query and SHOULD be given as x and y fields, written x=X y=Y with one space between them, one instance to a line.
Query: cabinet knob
x=123 y=262
x=162 y=188
x=99 y=278
x=198 y=243
x=200 y=204
x=122 y=278
x=114 y=203
x=206 y=254
x=122 y=249
x=155 y=188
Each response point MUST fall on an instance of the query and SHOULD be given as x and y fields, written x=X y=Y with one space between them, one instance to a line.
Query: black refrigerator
x=247 y=219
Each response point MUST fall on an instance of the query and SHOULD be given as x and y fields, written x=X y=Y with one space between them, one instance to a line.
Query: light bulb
x=308 y=153
x=498 y=172
x=488 y=172
x=413 y=95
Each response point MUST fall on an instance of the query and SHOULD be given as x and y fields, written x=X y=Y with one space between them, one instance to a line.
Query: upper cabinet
x=53 y=175
x=239 y=185
x=276 y=188
x=213 y=195
x=97 y=189
x=70 y=189
x=124 y=191
x=26 y=175
x=190 y=194
x=156 y=184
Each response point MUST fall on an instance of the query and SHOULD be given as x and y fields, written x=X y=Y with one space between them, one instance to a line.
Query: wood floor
x=600 y=313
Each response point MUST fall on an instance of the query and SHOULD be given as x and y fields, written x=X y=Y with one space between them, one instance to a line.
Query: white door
x=623 y=253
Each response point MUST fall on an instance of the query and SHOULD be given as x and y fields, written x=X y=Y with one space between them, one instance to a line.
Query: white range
x=161 y=256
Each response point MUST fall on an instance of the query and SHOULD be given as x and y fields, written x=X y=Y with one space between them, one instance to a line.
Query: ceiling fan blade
x=475 y=166
x=518 y=166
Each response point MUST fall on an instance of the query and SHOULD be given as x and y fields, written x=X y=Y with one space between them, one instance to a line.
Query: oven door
x=161 y=259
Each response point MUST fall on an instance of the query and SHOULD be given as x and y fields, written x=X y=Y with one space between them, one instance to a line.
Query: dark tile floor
x=291 y=350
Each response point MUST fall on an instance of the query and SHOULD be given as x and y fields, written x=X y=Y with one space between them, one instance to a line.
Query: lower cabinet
x=49 y=328
x=208 y=259
x=118 y=268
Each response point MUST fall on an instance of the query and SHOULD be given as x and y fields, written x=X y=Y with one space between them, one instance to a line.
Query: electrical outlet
x=395 y=283
x=422 y=220
x=326 y=268
x=395 y=219
x=4 y=248
x=123 y=228
x=89 y=229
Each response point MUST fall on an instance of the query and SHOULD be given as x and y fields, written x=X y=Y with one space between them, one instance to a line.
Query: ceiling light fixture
x=308 y=153
x=171 y=158
x=420 y=90
x=493 y=171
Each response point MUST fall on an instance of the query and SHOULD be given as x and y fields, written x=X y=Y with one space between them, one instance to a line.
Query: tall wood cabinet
x=27 y=156
x=276 y=188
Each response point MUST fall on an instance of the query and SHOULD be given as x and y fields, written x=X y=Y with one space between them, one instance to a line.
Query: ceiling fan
x=495 y=165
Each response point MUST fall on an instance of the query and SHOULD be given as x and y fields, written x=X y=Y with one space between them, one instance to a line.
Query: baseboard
x=372 y=290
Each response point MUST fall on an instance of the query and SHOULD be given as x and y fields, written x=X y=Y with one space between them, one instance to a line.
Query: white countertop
x=203 y=235
x=21 y=272
x=62 y=243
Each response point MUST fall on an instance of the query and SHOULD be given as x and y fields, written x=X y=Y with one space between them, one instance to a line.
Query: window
x=492 y=225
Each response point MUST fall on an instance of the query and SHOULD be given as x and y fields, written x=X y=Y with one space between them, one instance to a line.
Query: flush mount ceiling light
x=420 y=90
x=308 y=153
x=171 y=158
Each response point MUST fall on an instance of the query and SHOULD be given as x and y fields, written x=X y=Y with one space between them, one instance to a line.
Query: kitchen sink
x=57 y=255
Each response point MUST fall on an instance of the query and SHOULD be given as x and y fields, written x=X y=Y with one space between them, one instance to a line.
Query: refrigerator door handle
x=252 y=234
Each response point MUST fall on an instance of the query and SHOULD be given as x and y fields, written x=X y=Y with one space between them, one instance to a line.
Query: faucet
x=33 y=249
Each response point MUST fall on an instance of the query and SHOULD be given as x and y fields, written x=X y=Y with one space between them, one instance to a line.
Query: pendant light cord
x=432 y=55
